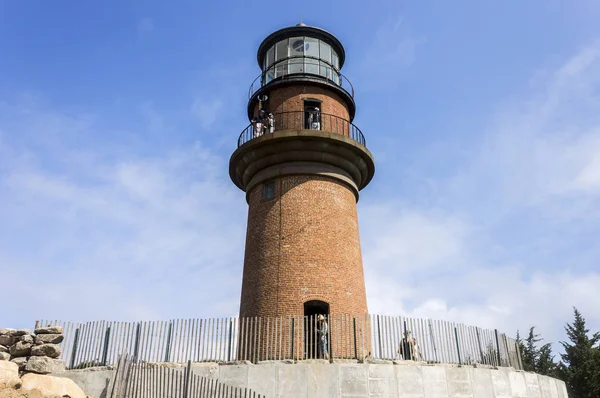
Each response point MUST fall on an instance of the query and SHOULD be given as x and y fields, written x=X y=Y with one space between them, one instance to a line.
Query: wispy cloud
x=508 y=243
x=113 y=233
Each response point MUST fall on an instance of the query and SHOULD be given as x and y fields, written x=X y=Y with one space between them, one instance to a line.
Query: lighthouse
x=302 y=163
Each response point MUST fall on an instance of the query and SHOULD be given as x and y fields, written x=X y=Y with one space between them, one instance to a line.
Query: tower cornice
x=312 y=152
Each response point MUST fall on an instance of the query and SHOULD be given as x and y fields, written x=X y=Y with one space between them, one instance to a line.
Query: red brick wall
x=291 y=98
x=302 y=245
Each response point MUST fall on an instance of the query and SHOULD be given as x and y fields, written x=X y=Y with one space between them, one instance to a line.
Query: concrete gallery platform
x=317 y=379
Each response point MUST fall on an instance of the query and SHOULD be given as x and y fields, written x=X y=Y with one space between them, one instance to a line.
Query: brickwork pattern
x=302 y=245
x=291 y=98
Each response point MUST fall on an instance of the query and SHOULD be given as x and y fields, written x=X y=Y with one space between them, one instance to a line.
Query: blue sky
x=117 y=120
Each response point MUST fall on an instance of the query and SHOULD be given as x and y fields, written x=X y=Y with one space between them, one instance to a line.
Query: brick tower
x=302 y=170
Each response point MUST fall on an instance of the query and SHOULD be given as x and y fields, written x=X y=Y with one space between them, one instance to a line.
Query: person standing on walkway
x=322 y=334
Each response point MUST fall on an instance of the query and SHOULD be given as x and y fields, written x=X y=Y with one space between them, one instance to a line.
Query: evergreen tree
x=580 y=364
x=528 y=350
x=536 y=360
x=545 y=364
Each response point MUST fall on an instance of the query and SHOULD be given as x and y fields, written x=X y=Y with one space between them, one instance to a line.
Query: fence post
x=433 y=340
x=137 y=341
x=74 y=352
x=106 y=342
x=188 y=373
x=293 y=352
x=498 y=347
x=457 y=346
x=519 y=360
x=354 y=327
x=329 y=343
x=379 y=336
x=230 y=340
x=168 y=348
x=479 y=344
x=505 y=343
x=129 y=372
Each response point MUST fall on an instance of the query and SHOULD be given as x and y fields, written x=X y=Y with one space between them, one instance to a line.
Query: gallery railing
x=303 y=67
x=306 y=120
x=256 y=339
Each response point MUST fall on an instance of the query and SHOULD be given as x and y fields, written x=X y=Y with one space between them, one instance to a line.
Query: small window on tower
x=269 y=190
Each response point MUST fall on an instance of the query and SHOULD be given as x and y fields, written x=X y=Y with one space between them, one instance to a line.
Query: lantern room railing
x=305 y=120
x=293 y=67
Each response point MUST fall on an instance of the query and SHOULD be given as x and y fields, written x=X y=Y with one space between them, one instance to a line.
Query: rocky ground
x=12 y=393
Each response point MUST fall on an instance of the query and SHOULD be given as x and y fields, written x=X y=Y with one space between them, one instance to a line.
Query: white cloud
x=114 y=234
x=410 y=240
x=542 y=151
x=508 y=245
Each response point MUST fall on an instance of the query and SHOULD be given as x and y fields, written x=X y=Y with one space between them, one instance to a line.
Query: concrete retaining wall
x=315 y=379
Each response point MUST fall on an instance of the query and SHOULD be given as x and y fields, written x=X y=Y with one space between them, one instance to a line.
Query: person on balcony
x=271 y=123
x=314 y=119
x=322 y=334
x=258 y=123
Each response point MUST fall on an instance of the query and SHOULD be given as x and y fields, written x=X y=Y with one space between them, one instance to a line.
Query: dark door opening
x=312 y=309
x=312 y=115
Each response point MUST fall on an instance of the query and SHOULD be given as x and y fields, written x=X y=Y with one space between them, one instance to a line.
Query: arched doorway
x=312 y=309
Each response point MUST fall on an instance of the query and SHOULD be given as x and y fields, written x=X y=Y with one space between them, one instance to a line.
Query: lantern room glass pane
x=311 y=66
x=270 y=57
x=296 y=46
x=335 y=60
x=296 y=65
x=269 y=75
x=281 y=49
x=336 y=78
x=325 y=51
x=323 y=68
x=311 y=47
x=281 y=69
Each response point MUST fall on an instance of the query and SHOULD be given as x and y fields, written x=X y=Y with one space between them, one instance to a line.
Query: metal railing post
x=230 y=340
x=457 y=346
x=137 y=341
x=292 y=350
x=379 y=336
x=74 y=352
x=168 y=348
x=329 y=342
x=354 y=327
x=106 y=342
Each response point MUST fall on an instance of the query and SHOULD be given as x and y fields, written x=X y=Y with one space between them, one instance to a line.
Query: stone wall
x=33 y=352
x=26 y=361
